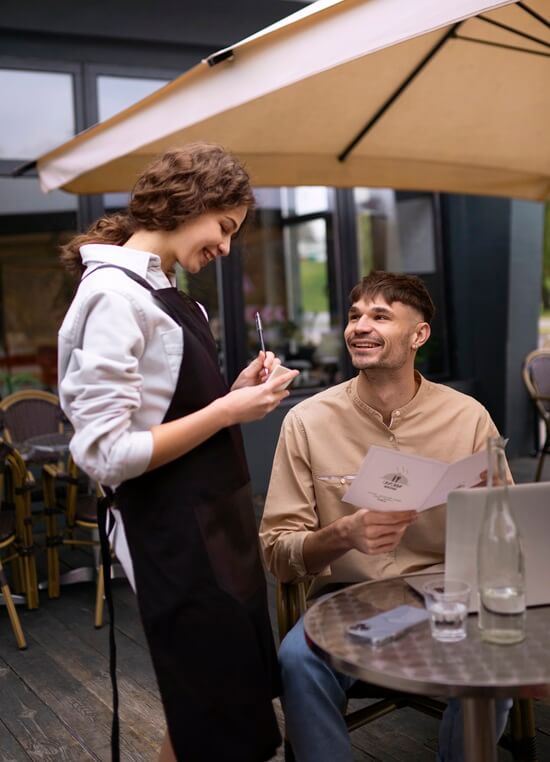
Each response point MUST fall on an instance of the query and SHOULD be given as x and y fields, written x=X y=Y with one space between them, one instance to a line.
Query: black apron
x=200 y=585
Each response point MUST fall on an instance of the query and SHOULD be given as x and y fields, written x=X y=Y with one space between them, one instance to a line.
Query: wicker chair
x=16 y=523
x=9 y=525
x=63 y=494
x=28 y=414
x=521 y=741
x=536 y=376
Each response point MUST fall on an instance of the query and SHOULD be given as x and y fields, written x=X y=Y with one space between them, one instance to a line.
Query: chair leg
x=544 y=451
x=52 y=536
x=31 y=581
x=523 y=731
x=17 y=575
x=99 y=598
x=12 y=612
x=539 y=466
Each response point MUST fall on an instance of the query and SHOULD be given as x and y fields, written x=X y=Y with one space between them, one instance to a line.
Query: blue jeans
x=314 y=700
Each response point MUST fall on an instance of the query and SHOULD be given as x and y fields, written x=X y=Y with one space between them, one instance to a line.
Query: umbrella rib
x=393 y=97
x=507 y=28
x=533 y=13
x=505 y=47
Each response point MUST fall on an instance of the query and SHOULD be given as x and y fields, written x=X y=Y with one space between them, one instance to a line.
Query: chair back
x=30 y=413
x=536 y=376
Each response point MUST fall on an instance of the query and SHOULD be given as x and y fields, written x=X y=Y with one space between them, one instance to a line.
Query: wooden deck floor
x=55 y=696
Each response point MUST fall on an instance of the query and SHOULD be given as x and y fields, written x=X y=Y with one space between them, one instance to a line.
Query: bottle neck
x=496 y=476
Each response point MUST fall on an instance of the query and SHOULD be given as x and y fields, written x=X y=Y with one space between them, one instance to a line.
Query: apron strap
x=105 y=523
x=130 y=273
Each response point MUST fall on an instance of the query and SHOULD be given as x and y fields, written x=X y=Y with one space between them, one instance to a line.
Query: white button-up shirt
x=119 y=360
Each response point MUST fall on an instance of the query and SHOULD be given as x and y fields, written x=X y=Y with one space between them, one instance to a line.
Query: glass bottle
x=501 y=567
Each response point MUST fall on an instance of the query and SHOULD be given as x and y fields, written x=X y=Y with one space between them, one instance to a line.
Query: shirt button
x=342 y=481
x=392 y=439
x=397 y=413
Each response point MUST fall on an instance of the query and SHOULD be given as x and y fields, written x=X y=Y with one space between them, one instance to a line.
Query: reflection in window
x=35 y=294
x=395 y=231
x=286 y=279
x=203 y=288
x=22 y=195
x=114 y=94
x=36 y=112
x=117 y=93
x=304 y=200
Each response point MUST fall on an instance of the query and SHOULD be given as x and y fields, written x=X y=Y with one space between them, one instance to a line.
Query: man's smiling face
x=380 y=335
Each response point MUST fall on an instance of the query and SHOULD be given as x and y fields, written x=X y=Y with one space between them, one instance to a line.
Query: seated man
x=308 y=533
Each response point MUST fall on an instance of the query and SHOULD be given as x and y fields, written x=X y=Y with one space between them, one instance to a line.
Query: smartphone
x=388 y=626
x=278 y=370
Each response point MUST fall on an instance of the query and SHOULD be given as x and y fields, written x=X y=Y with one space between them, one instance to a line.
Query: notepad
x=390 y=480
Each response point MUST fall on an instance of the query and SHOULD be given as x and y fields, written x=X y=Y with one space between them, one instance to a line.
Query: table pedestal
x=479 y=730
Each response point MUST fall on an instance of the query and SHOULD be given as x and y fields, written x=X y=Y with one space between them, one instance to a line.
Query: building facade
x=64 y=66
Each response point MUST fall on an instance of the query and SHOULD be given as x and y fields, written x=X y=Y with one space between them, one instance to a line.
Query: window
x=286 y=278
x=114 y=94
x=36 y=112
x=35 y=293
x=398 y=232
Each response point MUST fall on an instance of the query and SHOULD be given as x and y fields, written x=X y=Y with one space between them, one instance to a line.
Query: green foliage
x=14 y=382
x=313 y=277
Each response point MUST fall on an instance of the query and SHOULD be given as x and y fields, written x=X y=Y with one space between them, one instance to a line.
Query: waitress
x=154 y=420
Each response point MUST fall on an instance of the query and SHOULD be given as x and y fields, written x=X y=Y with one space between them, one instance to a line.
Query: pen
x=260 y=331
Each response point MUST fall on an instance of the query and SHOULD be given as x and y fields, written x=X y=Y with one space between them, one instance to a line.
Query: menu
x=390 y=480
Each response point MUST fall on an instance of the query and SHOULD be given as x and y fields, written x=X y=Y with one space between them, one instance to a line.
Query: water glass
x=447 y=601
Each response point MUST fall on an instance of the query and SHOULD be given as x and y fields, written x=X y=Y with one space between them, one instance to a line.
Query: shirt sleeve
x=101 y=388
x=289 y=511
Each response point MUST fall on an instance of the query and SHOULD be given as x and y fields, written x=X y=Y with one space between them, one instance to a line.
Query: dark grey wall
x=493 y=260
x=526 y=246
x=208 y=23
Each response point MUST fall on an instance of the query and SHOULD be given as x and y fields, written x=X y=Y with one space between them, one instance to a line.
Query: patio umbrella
x=431 y=95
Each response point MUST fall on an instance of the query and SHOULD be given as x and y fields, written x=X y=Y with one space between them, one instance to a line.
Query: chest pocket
x=172 y=341
x=333 y=486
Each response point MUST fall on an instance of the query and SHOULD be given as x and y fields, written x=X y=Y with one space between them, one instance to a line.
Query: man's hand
x=369 y=532
x=375 y=532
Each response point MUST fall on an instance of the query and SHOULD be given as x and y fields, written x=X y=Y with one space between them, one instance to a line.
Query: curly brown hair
x=181 y=184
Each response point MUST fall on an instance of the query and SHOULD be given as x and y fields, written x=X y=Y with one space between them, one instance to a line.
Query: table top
x=45 y=446
x=416 y=663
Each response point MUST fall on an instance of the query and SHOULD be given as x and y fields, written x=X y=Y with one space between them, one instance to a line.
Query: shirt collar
x=139 y=262
x=410 y=407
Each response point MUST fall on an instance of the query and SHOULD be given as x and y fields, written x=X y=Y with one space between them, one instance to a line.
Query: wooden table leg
x=479 y=730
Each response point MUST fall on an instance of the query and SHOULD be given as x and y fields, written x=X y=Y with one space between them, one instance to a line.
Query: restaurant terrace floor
x=55 y=697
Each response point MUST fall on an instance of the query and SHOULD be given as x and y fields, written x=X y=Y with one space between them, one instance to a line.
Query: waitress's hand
x=253 y=402
x=257 y=372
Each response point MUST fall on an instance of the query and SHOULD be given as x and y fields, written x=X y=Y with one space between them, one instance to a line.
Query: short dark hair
x=395 y=287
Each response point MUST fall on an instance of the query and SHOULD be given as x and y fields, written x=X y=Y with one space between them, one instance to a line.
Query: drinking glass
x=447 y=601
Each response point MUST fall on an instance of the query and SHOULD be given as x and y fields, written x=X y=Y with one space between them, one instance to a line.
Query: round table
x=45 y=447
x=472 y=670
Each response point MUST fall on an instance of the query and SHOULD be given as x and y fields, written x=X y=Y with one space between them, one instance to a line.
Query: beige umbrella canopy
x=436 y=95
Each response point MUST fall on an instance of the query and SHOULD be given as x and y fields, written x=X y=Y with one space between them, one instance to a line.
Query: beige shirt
x=322 y=443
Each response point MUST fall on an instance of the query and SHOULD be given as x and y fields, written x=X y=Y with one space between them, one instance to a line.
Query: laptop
x=465 y=508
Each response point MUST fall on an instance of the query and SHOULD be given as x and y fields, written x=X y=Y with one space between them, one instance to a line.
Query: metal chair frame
x=539 y=401
x=521 y=742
